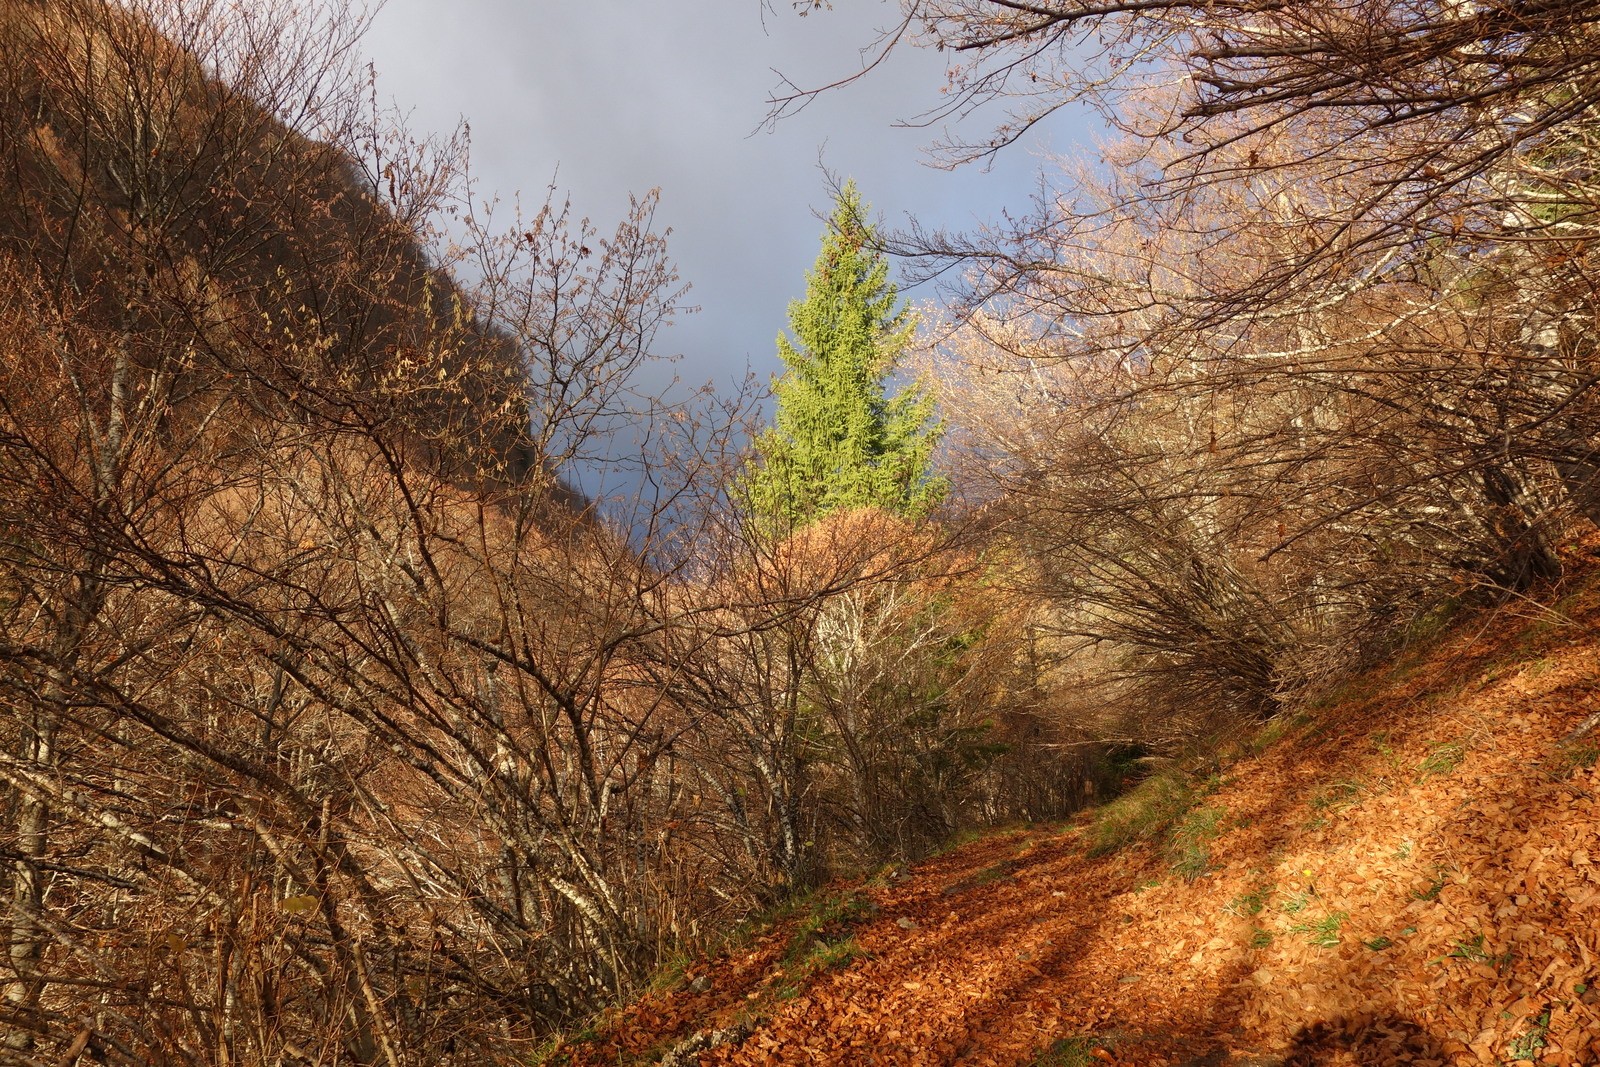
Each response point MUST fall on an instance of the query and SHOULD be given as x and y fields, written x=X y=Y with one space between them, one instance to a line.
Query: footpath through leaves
x=1410 y=875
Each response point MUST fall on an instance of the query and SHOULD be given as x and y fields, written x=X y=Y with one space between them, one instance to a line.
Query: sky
x=608 y=97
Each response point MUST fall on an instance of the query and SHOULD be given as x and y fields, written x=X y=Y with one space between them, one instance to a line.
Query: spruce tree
x=838 y=439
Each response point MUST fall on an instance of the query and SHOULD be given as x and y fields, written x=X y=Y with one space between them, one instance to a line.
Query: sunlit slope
x=160 y=193
x=1409 y=874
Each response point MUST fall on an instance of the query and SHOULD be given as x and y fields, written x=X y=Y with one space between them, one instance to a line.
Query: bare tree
x=284 y=540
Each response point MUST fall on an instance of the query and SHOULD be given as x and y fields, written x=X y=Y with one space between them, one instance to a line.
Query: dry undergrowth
x=1413 y=876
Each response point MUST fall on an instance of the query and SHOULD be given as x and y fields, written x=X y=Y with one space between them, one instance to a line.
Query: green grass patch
x=827 y=917
x=1248 y=905
x=1443 y=758
x=670 y=975
x=1330 y=799
x=1323 y=932
x=823 y=939
x=995 y=872
x=1385 y=750
x=1281 y=726
x=553 y=1050
x=1474 y=950
x=959 y=839
x=1295 y=903
x=1189 y=843
x=757 y=924
x=1434 y=621
x=1142 y=814
x=824 y=956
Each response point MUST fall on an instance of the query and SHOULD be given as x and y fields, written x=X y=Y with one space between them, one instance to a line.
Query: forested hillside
x=335 y=728
x=1403 y=874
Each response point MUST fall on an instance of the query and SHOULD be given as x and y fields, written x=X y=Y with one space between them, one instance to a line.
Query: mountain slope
x=1411 y=875
x=183 y=184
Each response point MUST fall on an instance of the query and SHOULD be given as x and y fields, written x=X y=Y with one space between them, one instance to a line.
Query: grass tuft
x=825 y=956
x=1077 y=1051
x=1531 y=1042
x=1142 y=814
x=670 y=975
x=1324 y=932
x=1473 y=950
x=1247 y=905
x=1189 y=844
x=1443 y=759
x=1570 y=758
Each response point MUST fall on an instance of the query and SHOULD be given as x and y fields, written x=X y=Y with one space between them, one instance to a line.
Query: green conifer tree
x=838 y=440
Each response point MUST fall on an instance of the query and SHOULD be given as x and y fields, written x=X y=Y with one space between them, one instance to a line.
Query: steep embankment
x=1409 y=875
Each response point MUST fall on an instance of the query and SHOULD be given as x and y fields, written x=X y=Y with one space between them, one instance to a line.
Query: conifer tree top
x=838 y=438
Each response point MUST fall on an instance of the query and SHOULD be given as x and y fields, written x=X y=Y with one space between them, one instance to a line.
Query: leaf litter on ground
x=1428 y=897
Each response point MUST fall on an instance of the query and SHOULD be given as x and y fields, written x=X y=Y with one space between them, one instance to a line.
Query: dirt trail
x=1411 y=877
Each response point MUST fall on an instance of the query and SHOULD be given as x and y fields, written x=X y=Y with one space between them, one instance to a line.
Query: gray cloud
x=626 y=95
